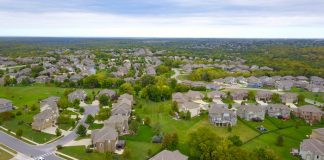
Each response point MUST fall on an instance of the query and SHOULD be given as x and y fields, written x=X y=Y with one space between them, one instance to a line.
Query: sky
x=163 y=18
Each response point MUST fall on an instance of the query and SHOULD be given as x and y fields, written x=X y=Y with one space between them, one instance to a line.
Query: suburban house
x=263 y=96
x=49 y=103
x=44 y=119
x=220 y=115
x=278 y=110
x=284 y=85
x=309 y=113
x=5 y=105
x=128 y=97
x=179 y=97
x=122 y=108
x=78 y=94
x=254 y=82
x=169 y=155
x=194 y=95
x=250 y=112
x=239 y=94
x=109 y=93
x=104 y=139
x=216 y=95
x=313 y=148
x=119 y=122
x=192 y=107
x=289 y=98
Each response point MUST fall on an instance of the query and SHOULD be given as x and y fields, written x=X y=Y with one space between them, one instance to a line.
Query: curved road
x=45 y=150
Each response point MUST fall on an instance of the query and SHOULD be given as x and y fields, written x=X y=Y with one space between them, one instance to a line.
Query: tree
x=81 y=130
x=202 y=143
x=235 y=140
x=170 y=141
x=280 y=141
x=126 y=88
x=251 y=95
x=174 y=106
x=301 y=99
x=264 y=154
x=173 y=83
x=104 y=100
x=275 y=98
x=89 y=119
x=147 y=80
x=19 y=133
x=161 y=69
x=58 y=132
x=134 y=126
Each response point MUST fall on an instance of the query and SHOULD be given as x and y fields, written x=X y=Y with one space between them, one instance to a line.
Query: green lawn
x=159 y=113
x=266 y=123
x=4 y=155
x=310 y=95
x=80 y=153
x=29 y=95
x=27 y=118
x=95 y=126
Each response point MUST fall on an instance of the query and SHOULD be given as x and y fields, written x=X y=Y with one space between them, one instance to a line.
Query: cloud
x=167 y=18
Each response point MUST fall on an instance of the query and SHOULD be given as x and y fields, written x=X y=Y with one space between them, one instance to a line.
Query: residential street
x=47 y=150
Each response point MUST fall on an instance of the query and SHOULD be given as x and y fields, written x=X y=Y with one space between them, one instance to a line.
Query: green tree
x=147 y=80
x=235 y=140
x=81 y=130
x=104 y=100
x=301 y=99
x=58 y=132
x=19 y=133
x=280 y=141
x=90 y=119
x=134 y=126
x=275 y=98
x=251 y=96
x=170 y=141
x=126 y=88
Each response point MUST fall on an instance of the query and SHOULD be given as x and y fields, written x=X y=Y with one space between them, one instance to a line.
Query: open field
x=29 y=95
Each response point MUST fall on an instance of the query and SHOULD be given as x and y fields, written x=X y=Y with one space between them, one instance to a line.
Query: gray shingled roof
x=169 y=155
x=104 y=134
x=4 y=101
x=313 y=145
x=309 y=108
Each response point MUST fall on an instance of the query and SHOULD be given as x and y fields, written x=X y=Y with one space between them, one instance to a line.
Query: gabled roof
x=169 y=155
x=104 y=134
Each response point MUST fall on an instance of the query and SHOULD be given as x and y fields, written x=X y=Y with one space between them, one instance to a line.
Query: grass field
x=27 y=118
x=29 y=95
x=79 y=153
x=5 y=155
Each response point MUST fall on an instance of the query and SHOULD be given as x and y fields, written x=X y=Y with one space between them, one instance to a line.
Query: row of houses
x=106 y=138
x=313 y=84
x=48 y=115
x=221 y=115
